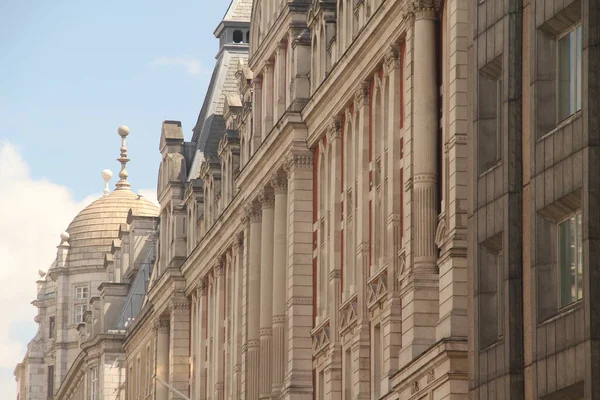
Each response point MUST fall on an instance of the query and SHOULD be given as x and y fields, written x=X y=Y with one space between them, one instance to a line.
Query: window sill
x=567 y=121
x=563 y=312
x=490 y=169
x=491 y=346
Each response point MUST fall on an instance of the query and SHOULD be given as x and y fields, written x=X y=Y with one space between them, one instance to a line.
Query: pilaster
x=298 y=381
x=179 y=345
x=257 y=112
x=280 y=187
x=267 y=99
x=253 y=321
x=162 y=332
x=280 y=79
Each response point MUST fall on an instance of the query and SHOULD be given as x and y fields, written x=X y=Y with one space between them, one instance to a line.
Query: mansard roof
x=210 y=124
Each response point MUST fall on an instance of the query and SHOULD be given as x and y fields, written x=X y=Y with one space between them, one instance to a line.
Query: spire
x=106 y=175
x=123 y=183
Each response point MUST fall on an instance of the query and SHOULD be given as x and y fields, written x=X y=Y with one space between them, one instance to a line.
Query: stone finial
x=107 y=176
x=64 y=238
x=123 y=182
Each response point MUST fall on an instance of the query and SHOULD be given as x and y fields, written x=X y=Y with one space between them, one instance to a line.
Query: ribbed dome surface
x=96 y=226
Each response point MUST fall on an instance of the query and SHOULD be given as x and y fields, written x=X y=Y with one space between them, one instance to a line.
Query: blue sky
x=71 y=72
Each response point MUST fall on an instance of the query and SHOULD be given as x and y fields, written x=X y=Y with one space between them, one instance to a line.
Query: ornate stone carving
x=431 y=376
x=361 y=97
x=202 y=287
x=279 y=183
x=393 y=58
x=335 y=128
x=266 y=199
x=320 y=337
x=425 y=9
x=161 y=325
x=253 y=213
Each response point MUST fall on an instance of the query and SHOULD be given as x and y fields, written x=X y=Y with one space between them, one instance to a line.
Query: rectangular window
x=148 y=370
x=50 y=381
x=94 y=384
x=569 y=73
x=80 y=309
x=51 y=327
x=81 y=293
x=570 y=263
x=489 y=115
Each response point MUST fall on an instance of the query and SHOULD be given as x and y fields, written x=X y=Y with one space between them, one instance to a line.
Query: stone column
x=266 y=292
x=299 y=377
x=257 y=117
x=361 y=347
x=420 y=290
x=218 y=332
x=267 y=98
x=254 y=273
x=391 y=324
x=279 y=184
x=162 y=329
x=280 y=79
x=237 y=307
x=299 y=83
x=200 y=340
x=179 y=341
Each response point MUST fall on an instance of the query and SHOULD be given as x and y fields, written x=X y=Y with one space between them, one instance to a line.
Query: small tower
x=123 y=183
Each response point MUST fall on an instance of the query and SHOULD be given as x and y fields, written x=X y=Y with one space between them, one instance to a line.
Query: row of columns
x=266 y=293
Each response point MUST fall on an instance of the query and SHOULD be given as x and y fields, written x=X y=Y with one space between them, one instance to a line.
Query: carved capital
x=202 y=286
x=253 y=213
x=266 y=199
x=393 y=58
x=335 y=128
x=361 y=97
x=161 y=325
x=279 y=184
x=425 y=9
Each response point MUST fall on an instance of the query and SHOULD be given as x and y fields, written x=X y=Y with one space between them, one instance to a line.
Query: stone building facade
x=534 y=199
x=313 y=232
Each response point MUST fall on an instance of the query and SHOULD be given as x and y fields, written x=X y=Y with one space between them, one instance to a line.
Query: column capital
x=266 y=199
x=220 y=266
x=257 y=82
x=393 y=58
x=253 y=213
x=238 y=241
x=334 y=131
x=269 y=66
x=161 y=325
x=202 y=286
x=279 y=183
x=425 y=9
x=361 y=96
x=301 y=161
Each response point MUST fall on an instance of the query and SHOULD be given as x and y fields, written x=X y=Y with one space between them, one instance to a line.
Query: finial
x=123 y=183
x=64 y=238
x=106 y=175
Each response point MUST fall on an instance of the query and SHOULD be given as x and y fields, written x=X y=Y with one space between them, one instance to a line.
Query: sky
x=71 y=72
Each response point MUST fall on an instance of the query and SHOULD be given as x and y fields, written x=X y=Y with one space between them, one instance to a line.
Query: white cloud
x=33 y=213
x=192 y=65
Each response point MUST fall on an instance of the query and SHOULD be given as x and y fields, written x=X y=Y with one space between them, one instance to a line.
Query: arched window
x=238 y=36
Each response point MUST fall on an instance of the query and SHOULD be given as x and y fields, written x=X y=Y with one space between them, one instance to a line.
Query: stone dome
x=93 y=230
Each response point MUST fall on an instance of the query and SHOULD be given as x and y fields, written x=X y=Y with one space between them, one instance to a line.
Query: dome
x=93 y=230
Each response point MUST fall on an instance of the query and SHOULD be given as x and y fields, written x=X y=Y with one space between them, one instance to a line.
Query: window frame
x=579 y=266
x=85 y=292
x=577 y=30
x=81 y=319
x=94 y=383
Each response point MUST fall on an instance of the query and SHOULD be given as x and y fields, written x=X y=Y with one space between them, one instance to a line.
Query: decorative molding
x=414 y=387
x=202 y=287
x=335 y=274
x=179 y=307
x=377 y=288
x=320 y=337
x=431 y=375
x=253 y=213
x=300 y=161
x=348 y=313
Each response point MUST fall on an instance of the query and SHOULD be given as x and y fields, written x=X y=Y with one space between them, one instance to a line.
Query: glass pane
x=579 y=258
x=566 y=264
x=579 y=86
x=564 y=77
